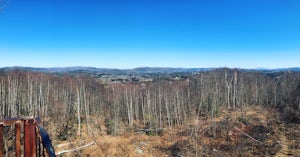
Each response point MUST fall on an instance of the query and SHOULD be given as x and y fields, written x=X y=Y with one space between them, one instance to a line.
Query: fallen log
x=74 y=149
x=69 y=143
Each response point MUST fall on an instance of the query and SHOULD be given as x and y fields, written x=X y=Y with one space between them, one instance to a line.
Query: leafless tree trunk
x=2 y=98
x=168 y=111
x=234 y=88
x=228 y=85
x=256 y=91
x=143 y=108
x=41 y=100
x=78 y=111
x=160 y=107
x=13 y=94
x=30 y=93
x=275 y=90
x=47 y=98
x=136 y=105
x=276 y=82
x=86 y=108
x=129 y=107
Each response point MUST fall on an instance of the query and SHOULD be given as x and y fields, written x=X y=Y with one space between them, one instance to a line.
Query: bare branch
x=247 y=135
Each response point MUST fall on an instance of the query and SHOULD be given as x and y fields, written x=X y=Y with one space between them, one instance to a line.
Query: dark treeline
x=65 y=101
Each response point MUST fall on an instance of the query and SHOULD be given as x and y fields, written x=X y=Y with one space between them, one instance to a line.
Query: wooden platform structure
x=30 y=139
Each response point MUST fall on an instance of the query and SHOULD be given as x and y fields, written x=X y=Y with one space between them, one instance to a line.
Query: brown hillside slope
x=257 y=131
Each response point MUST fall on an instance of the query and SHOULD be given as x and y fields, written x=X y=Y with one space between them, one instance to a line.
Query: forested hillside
x=74 y=105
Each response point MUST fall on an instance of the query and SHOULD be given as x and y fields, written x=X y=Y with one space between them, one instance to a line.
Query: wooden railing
x=35 y=140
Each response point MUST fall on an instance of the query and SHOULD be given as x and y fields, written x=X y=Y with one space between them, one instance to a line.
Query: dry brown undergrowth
x=259 y=123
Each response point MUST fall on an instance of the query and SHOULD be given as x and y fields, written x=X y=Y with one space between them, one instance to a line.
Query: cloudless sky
x=155 y=33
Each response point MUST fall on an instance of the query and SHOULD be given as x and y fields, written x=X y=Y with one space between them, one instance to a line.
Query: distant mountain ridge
x=139 y=70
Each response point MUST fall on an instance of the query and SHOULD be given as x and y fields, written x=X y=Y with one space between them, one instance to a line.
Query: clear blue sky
x=156 y=33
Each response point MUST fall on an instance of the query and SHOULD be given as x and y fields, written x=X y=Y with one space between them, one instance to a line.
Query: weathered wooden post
x=18 y=138
x=29 y=138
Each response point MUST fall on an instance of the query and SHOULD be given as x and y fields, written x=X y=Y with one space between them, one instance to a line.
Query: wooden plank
x=11 y=121
x=18 y=138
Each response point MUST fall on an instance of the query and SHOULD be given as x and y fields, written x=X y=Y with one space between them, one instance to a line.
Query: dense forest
x=67 y=103
x=161 y=103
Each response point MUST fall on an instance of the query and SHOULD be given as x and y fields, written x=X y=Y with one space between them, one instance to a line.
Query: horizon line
x=153 y=67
